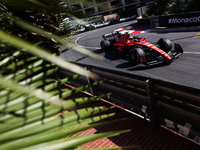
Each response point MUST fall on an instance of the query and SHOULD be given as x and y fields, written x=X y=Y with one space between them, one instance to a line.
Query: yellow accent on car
x=120 y=49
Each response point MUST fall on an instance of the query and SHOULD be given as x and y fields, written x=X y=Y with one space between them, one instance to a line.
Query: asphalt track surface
x=185 y=70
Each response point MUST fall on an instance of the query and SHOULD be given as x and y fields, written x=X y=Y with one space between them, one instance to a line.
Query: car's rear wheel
x=105 y=45
x=164 y=44
x=134 y=55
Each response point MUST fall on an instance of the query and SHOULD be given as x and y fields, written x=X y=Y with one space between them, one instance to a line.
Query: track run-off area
x=184 y=71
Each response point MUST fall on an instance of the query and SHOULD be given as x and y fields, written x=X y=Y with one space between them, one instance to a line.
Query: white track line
x=198 y=53
x=76 y=42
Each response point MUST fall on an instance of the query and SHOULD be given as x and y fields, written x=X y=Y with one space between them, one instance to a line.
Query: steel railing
x=163 y=103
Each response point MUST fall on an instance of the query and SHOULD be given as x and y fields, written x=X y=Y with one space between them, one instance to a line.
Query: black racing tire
x=164 y=44
x=105 y=45
x=134 y=55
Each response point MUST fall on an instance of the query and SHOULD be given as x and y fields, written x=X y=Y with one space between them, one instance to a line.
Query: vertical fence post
x=90 y=82
x=151 y=100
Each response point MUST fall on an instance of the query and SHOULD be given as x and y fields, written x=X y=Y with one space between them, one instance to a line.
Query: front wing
x=174 y=54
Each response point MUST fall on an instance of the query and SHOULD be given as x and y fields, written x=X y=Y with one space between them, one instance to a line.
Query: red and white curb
x=122 y=30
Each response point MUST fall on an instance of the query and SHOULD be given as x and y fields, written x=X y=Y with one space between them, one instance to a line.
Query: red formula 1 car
x=139 y=50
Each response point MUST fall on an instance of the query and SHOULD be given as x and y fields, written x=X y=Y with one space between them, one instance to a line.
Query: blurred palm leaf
x=27 y=90
x=30 y=94
x=25 y=115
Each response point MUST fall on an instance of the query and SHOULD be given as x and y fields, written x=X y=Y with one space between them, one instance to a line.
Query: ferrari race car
x=139 y=50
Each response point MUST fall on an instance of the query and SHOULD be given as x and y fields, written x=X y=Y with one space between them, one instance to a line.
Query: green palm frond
x=29 y=100
x=37 y=110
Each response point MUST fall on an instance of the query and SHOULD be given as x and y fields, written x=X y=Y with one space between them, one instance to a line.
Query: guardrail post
x=90 y=82
x=151 y=100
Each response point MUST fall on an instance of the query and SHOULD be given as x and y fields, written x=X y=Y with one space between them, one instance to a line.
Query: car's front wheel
x=164 y=44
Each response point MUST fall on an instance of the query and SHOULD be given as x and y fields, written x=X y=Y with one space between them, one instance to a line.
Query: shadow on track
x=112 y=56
x=140 y=67
x=98 y=51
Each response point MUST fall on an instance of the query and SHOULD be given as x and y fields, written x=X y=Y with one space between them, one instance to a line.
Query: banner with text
x=180 y=20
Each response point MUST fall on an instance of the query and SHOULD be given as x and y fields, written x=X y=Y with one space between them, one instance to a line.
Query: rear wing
x=107 y=36
x=113 y=35
x=110 y=36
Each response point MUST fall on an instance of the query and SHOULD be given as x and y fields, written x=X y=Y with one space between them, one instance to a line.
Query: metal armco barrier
x=175 y=106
